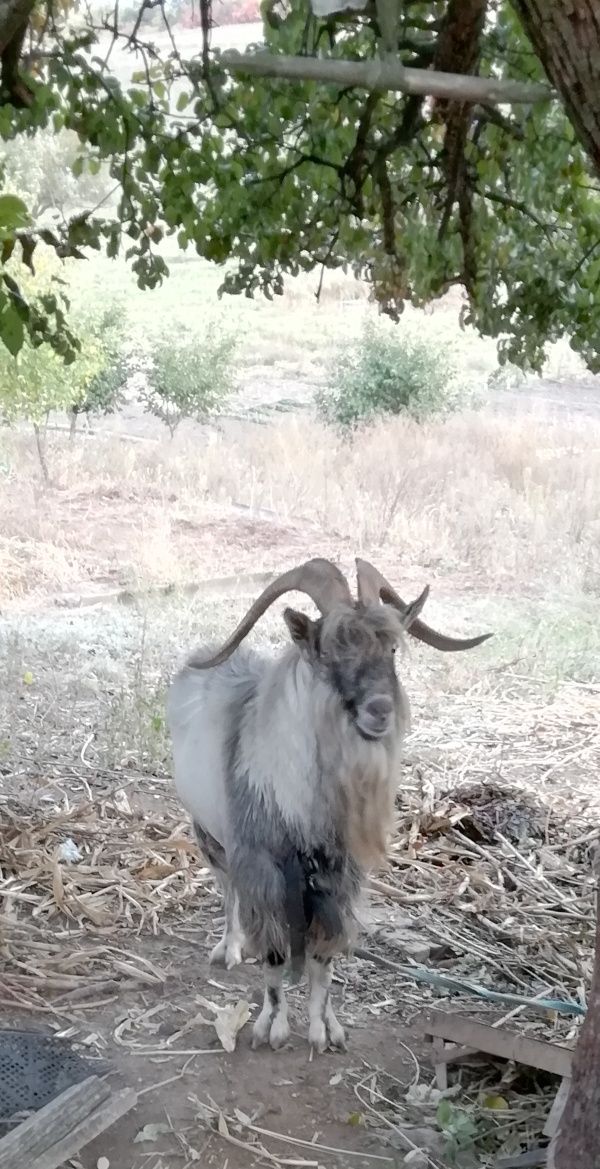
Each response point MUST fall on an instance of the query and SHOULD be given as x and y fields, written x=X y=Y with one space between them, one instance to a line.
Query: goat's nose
x=379 y=708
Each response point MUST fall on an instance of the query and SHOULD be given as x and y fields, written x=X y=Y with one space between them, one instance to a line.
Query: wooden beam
x=550 y=1128
x=386 y=74
x=55 y=1133
x=537 y=1053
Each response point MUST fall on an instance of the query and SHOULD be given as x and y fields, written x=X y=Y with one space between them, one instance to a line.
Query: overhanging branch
x=387 y=74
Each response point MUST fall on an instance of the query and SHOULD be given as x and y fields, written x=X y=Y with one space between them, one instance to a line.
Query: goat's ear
x=412 y=611
x=299 y=625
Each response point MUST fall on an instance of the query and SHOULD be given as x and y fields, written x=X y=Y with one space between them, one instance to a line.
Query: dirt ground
x=288 y=1092
x=110 y=950
x=149 y=1015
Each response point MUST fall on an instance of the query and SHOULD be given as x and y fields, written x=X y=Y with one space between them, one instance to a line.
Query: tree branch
x=384 y=75
x=517 y=205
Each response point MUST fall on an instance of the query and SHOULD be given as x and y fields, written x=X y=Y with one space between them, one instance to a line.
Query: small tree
x=32 y=384
x=50 y=176
x=389 y=370
x=190 y=380
x=104 y=391
x=36 y=381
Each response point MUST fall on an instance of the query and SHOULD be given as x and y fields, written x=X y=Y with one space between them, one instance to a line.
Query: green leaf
x=444 y=1113
x=495 y=1103
x=13 y=214
x=12 y=331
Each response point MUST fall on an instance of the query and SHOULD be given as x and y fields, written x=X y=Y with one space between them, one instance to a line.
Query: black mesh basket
x=34 y=1068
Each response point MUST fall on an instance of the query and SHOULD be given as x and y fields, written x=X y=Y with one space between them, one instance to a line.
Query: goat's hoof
x=317 y=1036
x=337 y=1035
x=279 y=1033
x=261 y=1031
x=217 y=954
x=233 y=956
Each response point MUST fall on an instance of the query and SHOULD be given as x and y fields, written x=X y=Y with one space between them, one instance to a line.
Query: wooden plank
x=537 y=1053
x=386 y=74
x=453 y=1053
x=553 y=1121
x=117 y=1105
x=51 y=1123
x=57 y=1132
x=439 y=1063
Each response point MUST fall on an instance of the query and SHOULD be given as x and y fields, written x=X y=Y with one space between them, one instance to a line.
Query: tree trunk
x=39 y=442
x=577 y=1144
x=72 y=425
x=14 y=20
x=565 y=35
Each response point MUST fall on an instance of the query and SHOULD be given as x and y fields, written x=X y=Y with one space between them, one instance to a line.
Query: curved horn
x=319 y=579
x=373 y=587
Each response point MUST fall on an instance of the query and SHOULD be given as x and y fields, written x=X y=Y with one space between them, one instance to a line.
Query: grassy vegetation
x=391 y=370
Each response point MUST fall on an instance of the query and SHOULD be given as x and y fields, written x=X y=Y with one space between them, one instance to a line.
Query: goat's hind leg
x=324 y=1027
x=229 y=951
x=272 y=1024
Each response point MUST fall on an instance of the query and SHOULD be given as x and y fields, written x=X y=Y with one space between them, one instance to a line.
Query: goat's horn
x=319 y=579
x=373 y=587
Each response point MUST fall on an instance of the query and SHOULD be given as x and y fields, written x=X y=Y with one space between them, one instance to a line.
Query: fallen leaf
x=228 y=1021
x=222 y=1126
x=336 y=1079
x=150 y=1132
x=28 y=678
x=497 y=1103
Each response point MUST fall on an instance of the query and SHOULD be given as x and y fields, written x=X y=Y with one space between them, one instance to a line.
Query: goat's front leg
x=324 y=1027
x=272 y=1024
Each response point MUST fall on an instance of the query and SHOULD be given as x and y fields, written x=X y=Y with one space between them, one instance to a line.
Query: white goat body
x=287 y=766
x=292 y=733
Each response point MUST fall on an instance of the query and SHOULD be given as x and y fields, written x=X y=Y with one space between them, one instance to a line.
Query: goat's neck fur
x=304 y=756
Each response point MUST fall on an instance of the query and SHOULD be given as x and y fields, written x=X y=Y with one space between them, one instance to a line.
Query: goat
x=288 y=765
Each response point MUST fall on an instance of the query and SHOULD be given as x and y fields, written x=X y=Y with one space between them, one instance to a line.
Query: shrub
x=104 y=389
x=37 y=382
x=390 y=370
x=190 y=380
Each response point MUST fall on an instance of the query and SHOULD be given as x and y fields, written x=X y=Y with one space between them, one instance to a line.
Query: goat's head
x=352 y=643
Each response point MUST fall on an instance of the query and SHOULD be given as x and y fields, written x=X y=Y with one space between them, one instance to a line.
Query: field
x=489 y=877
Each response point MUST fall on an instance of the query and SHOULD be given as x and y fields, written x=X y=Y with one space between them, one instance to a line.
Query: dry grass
x=479 y=498
x=493 y=884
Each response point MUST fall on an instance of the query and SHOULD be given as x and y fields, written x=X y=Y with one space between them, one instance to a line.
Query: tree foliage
x=101 y=388
x=36 y=381
x=190 y=379
x=45 y=175
x=390 y=371
x=275 y=177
